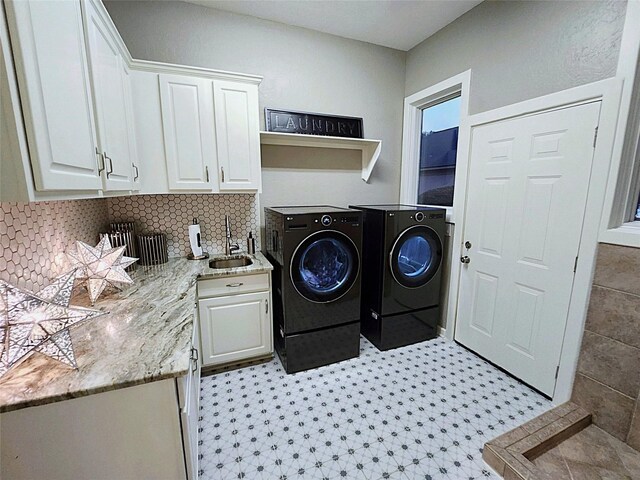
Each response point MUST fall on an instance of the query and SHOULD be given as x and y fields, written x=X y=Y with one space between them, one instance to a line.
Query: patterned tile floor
x=418 y=412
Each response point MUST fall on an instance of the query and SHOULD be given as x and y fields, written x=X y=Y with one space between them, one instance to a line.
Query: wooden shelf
x=370 y=148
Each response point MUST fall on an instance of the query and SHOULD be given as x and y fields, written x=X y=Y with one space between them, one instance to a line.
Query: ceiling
x=399 y=24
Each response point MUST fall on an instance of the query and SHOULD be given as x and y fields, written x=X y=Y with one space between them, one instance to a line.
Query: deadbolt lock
x=467 y=244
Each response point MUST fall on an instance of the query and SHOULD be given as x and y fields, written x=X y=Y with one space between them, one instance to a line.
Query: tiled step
x=511 y=454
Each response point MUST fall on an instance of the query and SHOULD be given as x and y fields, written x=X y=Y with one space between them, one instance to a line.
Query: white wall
x=303 y=70
x=519 y=50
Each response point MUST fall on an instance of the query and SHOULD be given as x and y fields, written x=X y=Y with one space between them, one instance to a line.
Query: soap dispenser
x=195 y=240
x=251 y=244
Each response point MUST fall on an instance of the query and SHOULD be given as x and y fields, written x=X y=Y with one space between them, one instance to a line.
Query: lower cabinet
x=147 y=431
x=235 y=327
x=189 y=402
x=130 y=433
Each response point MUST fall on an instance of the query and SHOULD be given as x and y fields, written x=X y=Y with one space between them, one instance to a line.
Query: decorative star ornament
x=101 y=266
x=39 y=322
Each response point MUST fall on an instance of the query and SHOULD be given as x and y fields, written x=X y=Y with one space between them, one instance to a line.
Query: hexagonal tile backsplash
x=172 y=215
x=34 y=237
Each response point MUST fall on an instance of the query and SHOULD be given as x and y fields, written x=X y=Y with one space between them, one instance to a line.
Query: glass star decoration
x=39 y=322
x=101 y=266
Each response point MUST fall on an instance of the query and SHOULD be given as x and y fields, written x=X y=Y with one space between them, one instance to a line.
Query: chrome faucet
x=229 y=247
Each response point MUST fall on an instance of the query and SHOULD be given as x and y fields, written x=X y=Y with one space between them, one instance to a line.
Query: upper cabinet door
x=188 y=125
x=131 y=125
x=237 y=135
x=110 y=93
x=50 y=55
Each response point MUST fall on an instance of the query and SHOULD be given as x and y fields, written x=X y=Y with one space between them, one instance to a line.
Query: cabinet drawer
x=216 y=287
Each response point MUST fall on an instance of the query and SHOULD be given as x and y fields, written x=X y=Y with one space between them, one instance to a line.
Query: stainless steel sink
x=233 y=262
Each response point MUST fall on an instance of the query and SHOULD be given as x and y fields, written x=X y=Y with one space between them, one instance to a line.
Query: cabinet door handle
x=100 y=157
x=110 y=171
x=206 y=171
x=194 y=357
x=266 y=309
x=137 y=172
x=222 y=173
x=234 y=285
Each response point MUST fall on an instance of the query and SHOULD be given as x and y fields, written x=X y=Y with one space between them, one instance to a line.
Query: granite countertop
x=144 y=337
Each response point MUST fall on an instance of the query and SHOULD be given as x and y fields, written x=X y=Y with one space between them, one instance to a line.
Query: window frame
x=623 y=187
x=411 y=137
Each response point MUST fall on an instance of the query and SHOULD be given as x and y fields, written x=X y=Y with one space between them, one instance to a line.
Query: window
x=637 y=217
x=433 y=130
x=438 y=150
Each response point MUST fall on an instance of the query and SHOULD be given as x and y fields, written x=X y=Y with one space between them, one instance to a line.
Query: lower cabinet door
x=235 y=327
x=189 y=403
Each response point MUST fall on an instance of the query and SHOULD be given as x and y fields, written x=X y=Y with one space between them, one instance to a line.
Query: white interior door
x=528 y=184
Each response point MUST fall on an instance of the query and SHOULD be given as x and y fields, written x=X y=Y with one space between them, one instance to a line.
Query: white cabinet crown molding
x=170 y=68
x=370 y=148
x=175 y=69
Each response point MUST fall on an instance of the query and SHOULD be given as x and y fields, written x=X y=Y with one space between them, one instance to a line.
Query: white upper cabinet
x=188 y=125
x=238 y=135
x=133 y=146
x=51 y=65
x=111 y=91
x=82 y=119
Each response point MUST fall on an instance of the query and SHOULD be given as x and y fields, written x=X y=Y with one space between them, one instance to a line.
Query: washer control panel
x=303 y=222
x=422 y=216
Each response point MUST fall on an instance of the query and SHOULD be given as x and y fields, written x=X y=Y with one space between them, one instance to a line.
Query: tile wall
x=608 y=377
x=172 y=214
x=34 y=237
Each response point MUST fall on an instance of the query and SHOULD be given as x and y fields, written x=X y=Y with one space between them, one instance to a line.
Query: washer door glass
x=416 y=256
x=325 y=266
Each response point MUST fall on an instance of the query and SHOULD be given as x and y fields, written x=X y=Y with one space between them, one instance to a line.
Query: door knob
x=465 y=259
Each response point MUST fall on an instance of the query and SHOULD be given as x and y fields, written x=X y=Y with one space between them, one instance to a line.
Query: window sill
x=627 y=235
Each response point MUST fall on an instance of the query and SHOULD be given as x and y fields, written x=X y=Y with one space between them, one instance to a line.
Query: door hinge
x=557 y=371
x=575 y=265
x=595 y=137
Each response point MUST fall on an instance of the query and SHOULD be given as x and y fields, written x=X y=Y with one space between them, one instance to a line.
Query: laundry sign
x=283 y=121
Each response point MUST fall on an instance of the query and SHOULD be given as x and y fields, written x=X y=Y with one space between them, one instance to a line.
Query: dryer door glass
x=416 y=256
x=325 y=266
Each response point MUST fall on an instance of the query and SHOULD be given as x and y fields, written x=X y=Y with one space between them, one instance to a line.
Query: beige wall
x=519 y=50
x=608 y=379
x=303 y=70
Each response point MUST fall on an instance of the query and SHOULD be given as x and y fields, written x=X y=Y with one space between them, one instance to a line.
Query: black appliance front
x=401 y=329
x=317 y=263
x=402 y=258
x=412 y=273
